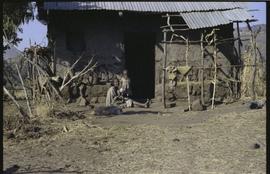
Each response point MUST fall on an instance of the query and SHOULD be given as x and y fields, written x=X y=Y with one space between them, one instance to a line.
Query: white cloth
x=129 y=103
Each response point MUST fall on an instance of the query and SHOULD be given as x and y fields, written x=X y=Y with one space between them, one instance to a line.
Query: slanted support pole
x=202 y=69
x=20 y=108
x=25 y=92
x=164 y=69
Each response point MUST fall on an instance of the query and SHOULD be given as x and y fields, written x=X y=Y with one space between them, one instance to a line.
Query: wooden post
x=254 y=51
x=54 y=60
x=238 y=93
x=255 y=67
x=187 y=79
x=215 y=69
x=202 y=69
x=33 y=75
x=164 y=69
x=239 y=42
x=28 y=66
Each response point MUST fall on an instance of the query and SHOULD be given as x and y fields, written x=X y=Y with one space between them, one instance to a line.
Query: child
x=125 y=85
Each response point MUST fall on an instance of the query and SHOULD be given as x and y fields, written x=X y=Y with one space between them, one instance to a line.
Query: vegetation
x=15 y=14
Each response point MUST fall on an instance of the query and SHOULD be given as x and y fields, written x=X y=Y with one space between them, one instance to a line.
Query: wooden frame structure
x=176 y=29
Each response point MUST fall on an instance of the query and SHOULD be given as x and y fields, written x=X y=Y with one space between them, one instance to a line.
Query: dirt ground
x=148 y=141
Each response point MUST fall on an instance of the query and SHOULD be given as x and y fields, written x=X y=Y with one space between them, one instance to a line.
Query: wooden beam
x=168 y=30
x=172 y=15
x=174 y=25
x=218 y=43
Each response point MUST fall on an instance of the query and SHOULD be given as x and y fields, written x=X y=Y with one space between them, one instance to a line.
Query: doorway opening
x=140 y=63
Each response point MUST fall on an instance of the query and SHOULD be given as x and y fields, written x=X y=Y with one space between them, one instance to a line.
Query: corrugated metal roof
x=197 y=20
x=144 y=6
x=196 y=14
x=237 y=15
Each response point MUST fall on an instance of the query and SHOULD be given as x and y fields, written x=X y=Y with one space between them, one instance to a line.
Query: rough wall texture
x=104 y=37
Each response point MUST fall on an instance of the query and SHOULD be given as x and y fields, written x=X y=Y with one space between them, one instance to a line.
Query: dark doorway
x=140 y=63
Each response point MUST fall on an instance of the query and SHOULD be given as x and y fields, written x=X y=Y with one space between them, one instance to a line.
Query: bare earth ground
x=147 y=141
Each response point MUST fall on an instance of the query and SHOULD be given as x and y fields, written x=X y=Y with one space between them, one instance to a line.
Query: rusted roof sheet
x=197 y=20
x=144 y=6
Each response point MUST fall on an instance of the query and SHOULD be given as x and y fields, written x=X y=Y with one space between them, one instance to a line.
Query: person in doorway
x=126 y=93
x=125 y=84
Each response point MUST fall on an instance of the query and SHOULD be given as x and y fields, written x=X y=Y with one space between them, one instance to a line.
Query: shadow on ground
x=143 y=112
x=14 y=170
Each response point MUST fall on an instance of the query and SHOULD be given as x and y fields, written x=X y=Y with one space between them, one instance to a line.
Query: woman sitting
x=114 y=97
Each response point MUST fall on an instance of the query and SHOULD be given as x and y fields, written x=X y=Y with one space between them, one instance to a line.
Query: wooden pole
x=239 y=41
x=48 y=80
x=238 y=93
x=25 y=92
x=254 y=51
x=164 y=69
x=255 y=67
x=202 y=69
x=54 y=60
x=215 y=70
x=187 y=79
x=21 y=110
x=33 y=75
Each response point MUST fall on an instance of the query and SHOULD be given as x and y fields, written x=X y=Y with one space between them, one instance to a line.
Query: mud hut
x=131 y=35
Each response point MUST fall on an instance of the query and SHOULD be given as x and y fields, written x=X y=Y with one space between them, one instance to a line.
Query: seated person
x=113 y=95
x=114 y=98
